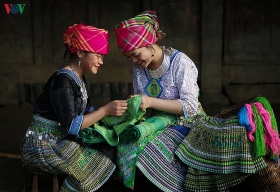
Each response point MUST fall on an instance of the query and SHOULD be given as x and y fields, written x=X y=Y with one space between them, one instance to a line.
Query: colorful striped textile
x=202 y=181
x=44 y=148
x=137 y=32
x=137 y=138
x=159 y=163
x=129 y=134
x=127 y=156
x=220 y=148
x=86 y=38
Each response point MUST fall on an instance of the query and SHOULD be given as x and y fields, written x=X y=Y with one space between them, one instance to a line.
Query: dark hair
x=72 y=56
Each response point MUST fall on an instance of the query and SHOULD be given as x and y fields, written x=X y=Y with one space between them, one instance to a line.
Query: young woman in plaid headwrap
x=198 y=153
x=63 y=109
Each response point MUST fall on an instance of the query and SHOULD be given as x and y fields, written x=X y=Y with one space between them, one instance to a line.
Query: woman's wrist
x=103 y=111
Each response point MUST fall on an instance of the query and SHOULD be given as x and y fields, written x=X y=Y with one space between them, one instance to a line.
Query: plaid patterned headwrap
x=86 y=38
x=137 y=32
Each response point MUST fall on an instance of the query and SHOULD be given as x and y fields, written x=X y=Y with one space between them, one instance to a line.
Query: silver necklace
x=74 y=70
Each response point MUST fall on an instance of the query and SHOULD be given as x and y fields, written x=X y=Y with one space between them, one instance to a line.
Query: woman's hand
x=146 y=102
x=116 y=108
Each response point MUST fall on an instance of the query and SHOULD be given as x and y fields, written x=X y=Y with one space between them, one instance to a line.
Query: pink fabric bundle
x=86 y=38
x=137 y=32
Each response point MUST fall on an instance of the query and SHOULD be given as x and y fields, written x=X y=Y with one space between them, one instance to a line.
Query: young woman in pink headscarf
x=198 y=152
x=63 y=109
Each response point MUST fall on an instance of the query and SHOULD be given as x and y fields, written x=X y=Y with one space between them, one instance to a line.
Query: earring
x=79 y=62
x=153 y=55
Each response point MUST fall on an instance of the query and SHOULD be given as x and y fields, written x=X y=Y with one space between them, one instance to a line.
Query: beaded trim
x=44 y=129
x=159 y=72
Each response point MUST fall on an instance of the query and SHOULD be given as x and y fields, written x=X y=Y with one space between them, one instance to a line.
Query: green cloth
x=130 y=127
x=130 y=133
x=147 y=127
x=98 y=133
x=134 y=140
x=110 y=127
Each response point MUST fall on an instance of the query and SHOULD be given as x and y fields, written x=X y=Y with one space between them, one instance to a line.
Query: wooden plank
x=112 y=74
x=106 y=92
x=80 y=16
x=95 y=91
x=247 y=31
x=239 y=93
x=180 y=20
x=16 y=35
x=110 y=13
x=61 y=17
x=92 y=13
x=39 y=75
x=21 y=93
x=115 y=91
x=37 y=31
x=8 y=87
x=46 y=50
x=211 y=46
x=275 y=30
x=251 y=74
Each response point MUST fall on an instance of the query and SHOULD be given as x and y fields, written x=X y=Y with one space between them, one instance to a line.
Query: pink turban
x=86 y=38
x=137 y=32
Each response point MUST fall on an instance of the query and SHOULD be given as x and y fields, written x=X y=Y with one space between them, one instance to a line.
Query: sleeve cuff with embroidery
x=76 y=125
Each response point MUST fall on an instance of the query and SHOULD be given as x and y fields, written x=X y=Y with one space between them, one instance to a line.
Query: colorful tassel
x=243 y=118
x=251 y=122
x=271 y=137
x=268 y=107
x=259 y=143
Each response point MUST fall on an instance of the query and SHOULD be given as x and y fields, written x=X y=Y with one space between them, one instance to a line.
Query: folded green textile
x=110 y=127
x=134 y=139
x=98 y=133
x=131 y=113
x=130 y=133
x=147 y=127
x=130 y=127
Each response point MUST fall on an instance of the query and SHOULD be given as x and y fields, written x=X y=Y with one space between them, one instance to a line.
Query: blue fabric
x=76 y=125
x=243 y=118
x=182 y=129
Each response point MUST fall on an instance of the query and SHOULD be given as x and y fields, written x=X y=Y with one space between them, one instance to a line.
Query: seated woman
x=63 y=109
x=216 y=153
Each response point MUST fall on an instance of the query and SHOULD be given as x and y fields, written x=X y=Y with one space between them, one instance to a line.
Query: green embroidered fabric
x=154 y=88
x=130 y=133
x=130 y=127
x=134 y=141
x=110 y=127
x=98 y=133
x=147 y=127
